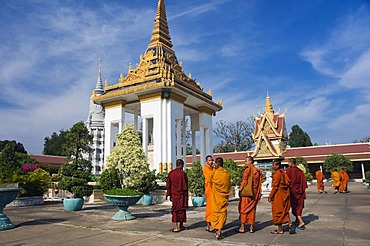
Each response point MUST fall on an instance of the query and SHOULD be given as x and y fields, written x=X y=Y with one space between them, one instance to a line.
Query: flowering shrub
x=130 y=162
x=34 y=183
x=29 y=167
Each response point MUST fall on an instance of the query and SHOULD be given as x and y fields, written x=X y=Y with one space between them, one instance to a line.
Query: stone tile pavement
x=331 y=219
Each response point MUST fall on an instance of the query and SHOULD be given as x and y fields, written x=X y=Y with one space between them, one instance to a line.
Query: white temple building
x=158 y=94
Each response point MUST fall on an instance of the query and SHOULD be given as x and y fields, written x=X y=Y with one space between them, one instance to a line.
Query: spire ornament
x=160 y=32
x=268 y=108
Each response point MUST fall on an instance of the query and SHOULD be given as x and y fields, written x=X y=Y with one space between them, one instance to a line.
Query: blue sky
x=313 y=58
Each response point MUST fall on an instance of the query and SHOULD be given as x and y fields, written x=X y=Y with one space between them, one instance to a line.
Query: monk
x=248 y=205
x=207 y=171
x=336 y=180
x=344 y=178
x=298 y=186
x=320 y=181
x=279 y=197
x=177 y=190
x=220 y=183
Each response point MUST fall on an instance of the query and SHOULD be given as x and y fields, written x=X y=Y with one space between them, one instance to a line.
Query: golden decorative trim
x=114 y=104
x=150 y=96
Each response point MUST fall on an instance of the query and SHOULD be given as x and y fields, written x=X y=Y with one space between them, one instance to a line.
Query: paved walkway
x=332 y=219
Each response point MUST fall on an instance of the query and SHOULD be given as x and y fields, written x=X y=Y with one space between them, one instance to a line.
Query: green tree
x=337 y=161
x=235 y=137
x=53 y=144
x=76 y=173
x=18 y=147
x=236 y=172
x=299 y=138
x=9 y=163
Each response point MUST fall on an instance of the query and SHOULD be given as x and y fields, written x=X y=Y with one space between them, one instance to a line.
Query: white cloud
x=358 y=76
x=344 y=45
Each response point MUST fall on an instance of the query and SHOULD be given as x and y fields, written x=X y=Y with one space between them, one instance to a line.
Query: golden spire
x=160 y=32
x=268 y=108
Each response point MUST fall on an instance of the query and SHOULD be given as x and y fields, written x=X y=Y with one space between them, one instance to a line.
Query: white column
x=208 y=142
x=202 y=146
x=178 y=138
x=145 y=136
x=363 y=171
x=121 y=120
x=184 y=139
x=321 y=168
x=193 y=146
x=164 y=131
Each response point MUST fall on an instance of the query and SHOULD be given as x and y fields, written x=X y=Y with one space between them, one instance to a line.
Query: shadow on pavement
x=40 y=222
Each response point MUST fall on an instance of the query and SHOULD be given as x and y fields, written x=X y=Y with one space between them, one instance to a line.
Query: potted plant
x=75 y=174
x=128 y=160
x=148 y=185
x=196 y=184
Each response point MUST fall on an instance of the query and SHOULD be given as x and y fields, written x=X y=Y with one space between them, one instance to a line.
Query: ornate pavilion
x=159 y=94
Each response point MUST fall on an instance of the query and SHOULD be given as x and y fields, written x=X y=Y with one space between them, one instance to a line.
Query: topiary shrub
x=109 y=179
x=76 y=174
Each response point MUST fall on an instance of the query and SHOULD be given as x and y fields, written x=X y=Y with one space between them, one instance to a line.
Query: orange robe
x=344 y=178
x=298 y=186
x=336 y=179
x=320 y=180
x=220 y=182
x=207 y=171
x=280 y=198
x=177 y=190
x=248 y=205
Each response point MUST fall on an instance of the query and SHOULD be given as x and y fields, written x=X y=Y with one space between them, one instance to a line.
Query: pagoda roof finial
x=160 y=32
x=268 y=108
x=99 y=82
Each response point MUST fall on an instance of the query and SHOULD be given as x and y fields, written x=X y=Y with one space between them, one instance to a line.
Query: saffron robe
x=177 y=190
x=248 y=205
x=280 y=197
x=336 y=179
x=220 y=183
x=344 y=178
x=207 y=171
x=298 y=186
x=320 y=180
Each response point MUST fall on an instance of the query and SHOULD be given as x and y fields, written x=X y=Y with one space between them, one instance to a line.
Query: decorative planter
x=6 y=196
x=73 y=204
x=27 y=201
x=147 y=199
x=198 y=201
x=123 y=202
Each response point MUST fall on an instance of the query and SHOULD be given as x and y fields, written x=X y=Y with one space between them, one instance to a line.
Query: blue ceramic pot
x=147 y=199
x=73 y=204
x=198 y=201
